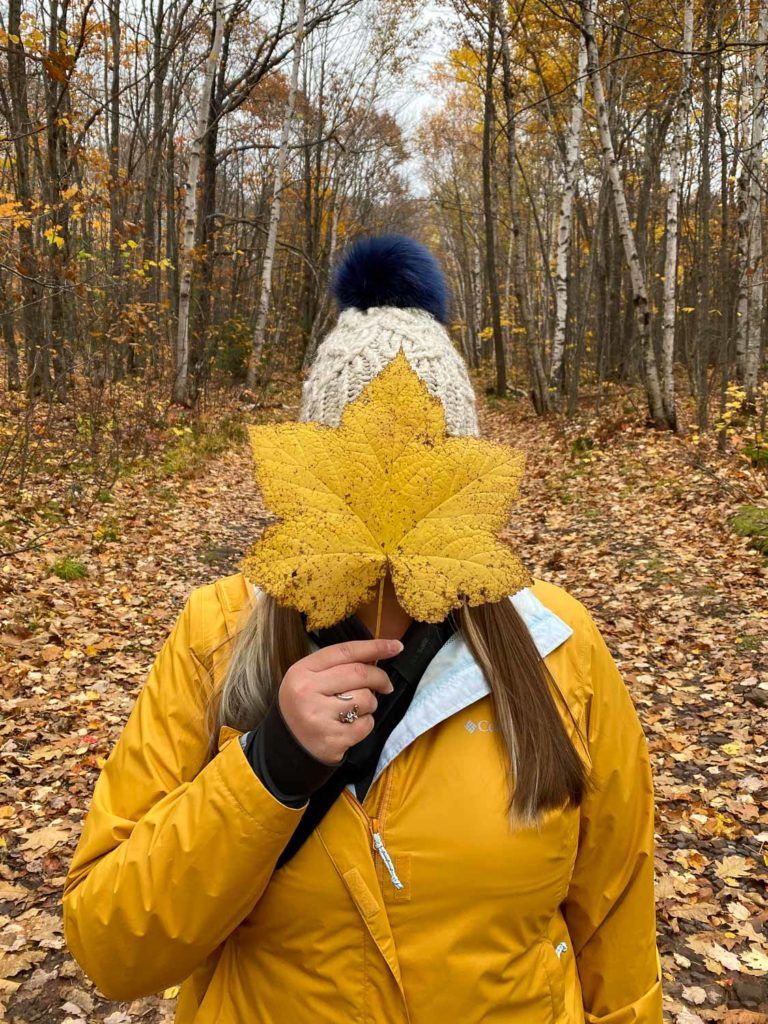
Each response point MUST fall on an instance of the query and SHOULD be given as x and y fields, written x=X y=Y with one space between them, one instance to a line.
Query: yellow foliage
x=52 y=236
x=386 y=490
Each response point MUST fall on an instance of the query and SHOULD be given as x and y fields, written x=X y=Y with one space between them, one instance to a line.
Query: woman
x=452 y=823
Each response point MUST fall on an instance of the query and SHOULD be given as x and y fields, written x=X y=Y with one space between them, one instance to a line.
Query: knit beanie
x=391 y=292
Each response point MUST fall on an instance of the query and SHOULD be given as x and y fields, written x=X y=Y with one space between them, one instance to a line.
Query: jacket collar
x=453 y=679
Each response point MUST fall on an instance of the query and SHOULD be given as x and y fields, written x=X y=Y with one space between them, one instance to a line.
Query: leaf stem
x=378 y=609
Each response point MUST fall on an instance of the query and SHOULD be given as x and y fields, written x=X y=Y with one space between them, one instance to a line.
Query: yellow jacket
x=456 y=920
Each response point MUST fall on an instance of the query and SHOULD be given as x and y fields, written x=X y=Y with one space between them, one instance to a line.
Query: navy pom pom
x=391 y=270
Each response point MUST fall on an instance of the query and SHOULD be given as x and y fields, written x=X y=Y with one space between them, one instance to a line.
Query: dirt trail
x=631 y=529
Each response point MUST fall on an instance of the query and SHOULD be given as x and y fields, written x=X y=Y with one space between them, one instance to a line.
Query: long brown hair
x=545 y=769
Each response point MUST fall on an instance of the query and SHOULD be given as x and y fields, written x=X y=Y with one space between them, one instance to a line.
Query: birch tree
x=742 y=197
x=755 y=271
x=673 y=201
x=572 y=147
x=274 y=216
x=639 y=291
x=181 y=366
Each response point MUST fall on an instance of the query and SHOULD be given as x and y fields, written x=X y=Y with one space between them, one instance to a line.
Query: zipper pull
x=378 y=844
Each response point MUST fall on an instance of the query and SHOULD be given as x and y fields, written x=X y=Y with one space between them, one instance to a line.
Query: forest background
x=177 y=181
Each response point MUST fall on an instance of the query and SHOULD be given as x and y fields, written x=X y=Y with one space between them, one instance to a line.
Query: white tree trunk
x=755 y=270
x=742 y=193
x=639 y=292
x=673 y=202
x=274 y=216
x=572 y=150
x=478 y=296
x=181 y=368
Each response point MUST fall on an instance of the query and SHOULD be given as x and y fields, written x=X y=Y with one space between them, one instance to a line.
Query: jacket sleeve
x=171 y=858
x=610 y=906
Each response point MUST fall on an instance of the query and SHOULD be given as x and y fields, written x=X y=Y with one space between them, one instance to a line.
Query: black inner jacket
x=422 y=641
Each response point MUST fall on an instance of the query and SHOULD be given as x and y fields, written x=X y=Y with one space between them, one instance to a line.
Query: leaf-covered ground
x=635 y=524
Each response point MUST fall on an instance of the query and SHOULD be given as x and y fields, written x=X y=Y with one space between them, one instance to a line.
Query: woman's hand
x=309 y=707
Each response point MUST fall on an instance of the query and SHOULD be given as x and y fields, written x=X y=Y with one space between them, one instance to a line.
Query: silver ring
x=344 y=696
x=349 y=716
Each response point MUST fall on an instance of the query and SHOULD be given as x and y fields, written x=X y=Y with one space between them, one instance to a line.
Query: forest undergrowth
x=637 y=524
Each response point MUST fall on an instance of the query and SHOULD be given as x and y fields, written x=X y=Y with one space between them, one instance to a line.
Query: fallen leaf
x=44 y=839
x=694 y=994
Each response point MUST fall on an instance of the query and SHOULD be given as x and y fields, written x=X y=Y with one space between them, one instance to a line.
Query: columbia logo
x=483 y=725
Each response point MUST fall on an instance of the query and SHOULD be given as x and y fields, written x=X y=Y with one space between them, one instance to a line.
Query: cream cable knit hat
x=392 y=293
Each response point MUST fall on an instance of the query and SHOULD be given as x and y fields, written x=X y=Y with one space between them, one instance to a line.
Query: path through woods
x=630 y=527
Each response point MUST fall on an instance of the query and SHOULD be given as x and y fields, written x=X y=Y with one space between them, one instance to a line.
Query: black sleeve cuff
x=283 y=764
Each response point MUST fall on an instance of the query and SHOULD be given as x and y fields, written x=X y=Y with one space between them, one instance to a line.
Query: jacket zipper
x=375 y=829
x=378 y=843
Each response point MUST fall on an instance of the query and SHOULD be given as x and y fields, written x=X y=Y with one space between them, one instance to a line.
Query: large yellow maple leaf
x=385 y=490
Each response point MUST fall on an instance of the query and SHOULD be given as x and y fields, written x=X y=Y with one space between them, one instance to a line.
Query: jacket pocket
x=553 y=967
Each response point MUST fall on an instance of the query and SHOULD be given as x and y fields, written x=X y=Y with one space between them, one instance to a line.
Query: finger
x=355 y=676
x=350 y=733
x=341 y=736
x=352 y=650
x=365 y=701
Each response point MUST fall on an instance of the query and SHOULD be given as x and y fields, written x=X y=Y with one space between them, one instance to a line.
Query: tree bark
x=703 y=274
x=755 y=270
x=260 y=328
x=572 y=146
x=180 y=391
x=57 y=181
x=488 y=211
x=639 y=291
x=673 y=202
x=115 y=220
x=13 y=377
x=539 y=384
x=743 y=203
x=32 y=319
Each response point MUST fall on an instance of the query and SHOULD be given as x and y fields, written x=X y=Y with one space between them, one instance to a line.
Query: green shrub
x=228 y=347
x=195 y=446
x=757 y=453
x=752 y=521
x=582 y=444
x=69 y=569
x=108 y=530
